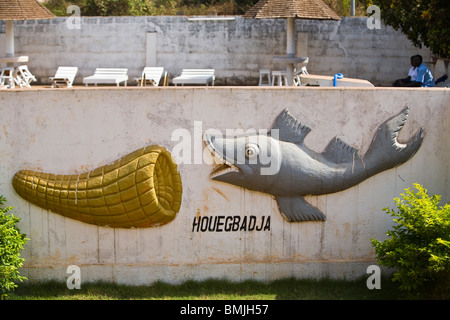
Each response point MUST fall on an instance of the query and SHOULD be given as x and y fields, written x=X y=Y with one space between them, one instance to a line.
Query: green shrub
x=11 y=242
x=418 y=246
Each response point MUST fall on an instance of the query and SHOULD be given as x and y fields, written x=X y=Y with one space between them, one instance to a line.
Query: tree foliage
x=172 y=7
x=424 y=22
x=150 y=7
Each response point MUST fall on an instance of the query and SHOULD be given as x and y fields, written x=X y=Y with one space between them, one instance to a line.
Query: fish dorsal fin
x=289 y=128
x=338 y=151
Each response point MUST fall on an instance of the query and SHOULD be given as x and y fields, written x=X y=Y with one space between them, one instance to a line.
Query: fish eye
x=251 y=150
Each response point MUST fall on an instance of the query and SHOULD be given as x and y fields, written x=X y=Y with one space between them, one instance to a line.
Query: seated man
x=424 y=77
x=412 y=74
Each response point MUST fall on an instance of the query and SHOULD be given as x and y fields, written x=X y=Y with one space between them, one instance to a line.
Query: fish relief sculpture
x=280 y=164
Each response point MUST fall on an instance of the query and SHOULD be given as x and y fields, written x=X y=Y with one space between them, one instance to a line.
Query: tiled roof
x=304 y=9
x=23 y=10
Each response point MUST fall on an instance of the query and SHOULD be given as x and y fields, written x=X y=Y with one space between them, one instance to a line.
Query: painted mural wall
x=92 y=148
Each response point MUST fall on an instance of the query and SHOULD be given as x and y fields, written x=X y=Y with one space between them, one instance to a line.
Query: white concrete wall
x=237 y=48
x=75 y=130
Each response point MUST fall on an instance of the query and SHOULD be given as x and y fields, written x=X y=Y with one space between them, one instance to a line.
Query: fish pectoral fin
x=296 y=209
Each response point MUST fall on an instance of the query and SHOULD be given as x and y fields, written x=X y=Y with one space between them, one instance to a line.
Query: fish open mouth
x=223 y=165
x=223 y=169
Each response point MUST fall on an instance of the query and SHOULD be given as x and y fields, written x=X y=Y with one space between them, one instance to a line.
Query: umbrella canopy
x=23 y=10
x=303 y=9
x=11 y=10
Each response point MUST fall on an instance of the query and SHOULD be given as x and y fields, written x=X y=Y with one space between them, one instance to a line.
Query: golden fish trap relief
x=142 y=189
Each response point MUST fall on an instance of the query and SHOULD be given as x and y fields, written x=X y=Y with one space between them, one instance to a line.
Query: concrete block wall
x=349 y=47
x=237 y=48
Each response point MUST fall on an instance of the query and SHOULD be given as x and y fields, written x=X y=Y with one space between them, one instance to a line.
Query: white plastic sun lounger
x=195 y=76
x=64 y=76
x=107 y=76
x=150 y=75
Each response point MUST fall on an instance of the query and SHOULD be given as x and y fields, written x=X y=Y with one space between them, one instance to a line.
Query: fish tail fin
x=385 y=151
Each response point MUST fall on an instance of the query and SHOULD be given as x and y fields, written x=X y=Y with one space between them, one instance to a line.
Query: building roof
x=303 y=9
x=23 y=10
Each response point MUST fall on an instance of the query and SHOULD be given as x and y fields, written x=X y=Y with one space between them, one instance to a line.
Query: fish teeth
x=218 y=157
x=221 y=170
x=228 y=163
x=226 y=167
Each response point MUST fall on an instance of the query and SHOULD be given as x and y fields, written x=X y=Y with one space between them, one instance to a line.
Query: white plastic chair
x=24 y=76
x=264 y=73
x=7 y=74
x=297 y=81
x=280 y=75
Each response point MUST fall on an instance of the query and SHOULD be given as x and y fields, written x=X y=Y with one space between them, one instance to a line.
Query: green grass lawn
x=287 y=289
x=279 y=299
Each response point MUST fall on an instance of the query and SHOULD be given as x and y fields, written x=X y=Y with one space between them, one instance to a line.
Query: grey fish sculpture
x=279 y=163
